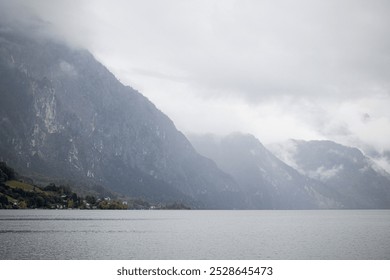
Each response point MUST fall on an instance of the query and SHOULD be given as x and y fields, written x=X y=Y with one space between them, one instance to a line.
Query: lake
x=99 y=234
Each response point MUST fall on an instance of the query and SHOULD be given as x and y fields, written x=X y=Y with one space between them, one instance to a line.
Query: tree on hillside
x=8 y=171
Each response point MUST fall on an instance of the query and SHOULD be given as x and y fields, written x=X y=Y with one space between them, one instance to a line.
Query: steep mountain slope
x=64 y=115
x=346 y=170
x=267 y=182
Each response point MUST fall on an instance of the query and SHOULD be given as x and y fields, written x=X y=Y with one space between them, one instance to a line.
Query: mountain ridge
x=346 y=169
x=65 y=115
x=268 y=182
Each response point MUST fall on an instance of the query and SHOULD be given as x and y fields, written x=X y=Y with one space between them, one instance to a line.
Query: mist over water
x=71 y=234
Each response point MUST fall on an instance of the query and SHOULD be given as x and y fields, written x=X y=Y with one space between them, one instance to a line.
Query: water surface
x=89 y=234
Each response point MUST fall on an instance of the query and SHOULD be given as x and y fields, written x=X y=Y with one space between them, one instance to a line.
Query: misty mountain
x=64 y=115
x=358 y=180
x=266 y=181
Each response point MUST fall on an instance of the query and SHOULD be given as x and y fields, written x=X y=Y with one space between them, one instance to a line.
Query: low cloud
x=325 y=174
x=277 y=69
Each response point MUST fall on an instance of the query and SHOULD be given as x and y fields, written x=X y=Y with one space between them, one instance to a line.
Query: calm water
x=76 y=234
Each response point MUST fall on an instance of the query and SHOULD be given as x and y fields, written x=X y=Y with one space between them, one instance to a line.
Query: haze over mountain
x=320 y=174
x=64 y=115
x=311 y=70
x=360 y=182
x=267 y=182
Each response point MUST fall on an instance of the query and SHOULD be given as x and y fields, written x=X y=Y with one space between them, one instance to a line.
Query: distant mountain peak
x=360 y=182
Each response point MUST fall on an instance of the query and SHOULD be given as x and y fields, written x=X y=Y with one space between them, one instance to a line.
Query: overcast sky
x=278 y=69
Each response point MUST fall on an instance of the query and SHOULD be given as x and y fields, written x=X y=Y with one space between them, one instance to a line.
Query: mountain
x=64 y=115
x=360 y=182
x=266 y=181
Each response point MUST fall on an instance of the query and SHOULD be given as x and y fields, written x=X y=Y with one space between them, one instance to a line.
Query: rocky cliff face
x=64 y=115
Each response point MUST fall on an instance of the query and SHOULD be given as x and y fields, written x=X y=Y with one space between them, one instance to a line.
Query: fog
x=276 y=69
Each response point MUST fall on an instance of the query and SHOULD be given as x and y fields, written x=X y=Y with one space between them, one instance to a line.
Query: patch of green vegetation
x=24 y=186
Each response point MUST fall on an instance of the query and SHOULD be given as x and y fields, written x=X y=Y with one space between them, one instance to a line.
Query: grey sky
x=278 y=69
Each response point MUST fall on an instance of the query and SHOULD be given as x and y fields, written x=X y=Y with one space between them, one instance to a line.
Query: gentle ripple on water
x=72 y=234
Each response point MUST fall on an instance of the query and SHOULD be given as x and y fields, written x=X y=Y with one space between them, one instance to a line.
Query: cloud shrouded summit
x=277 y=69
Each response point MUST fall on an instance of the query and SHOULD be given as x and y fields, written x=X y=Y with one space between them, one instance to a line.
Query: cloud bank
x=277 y=69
